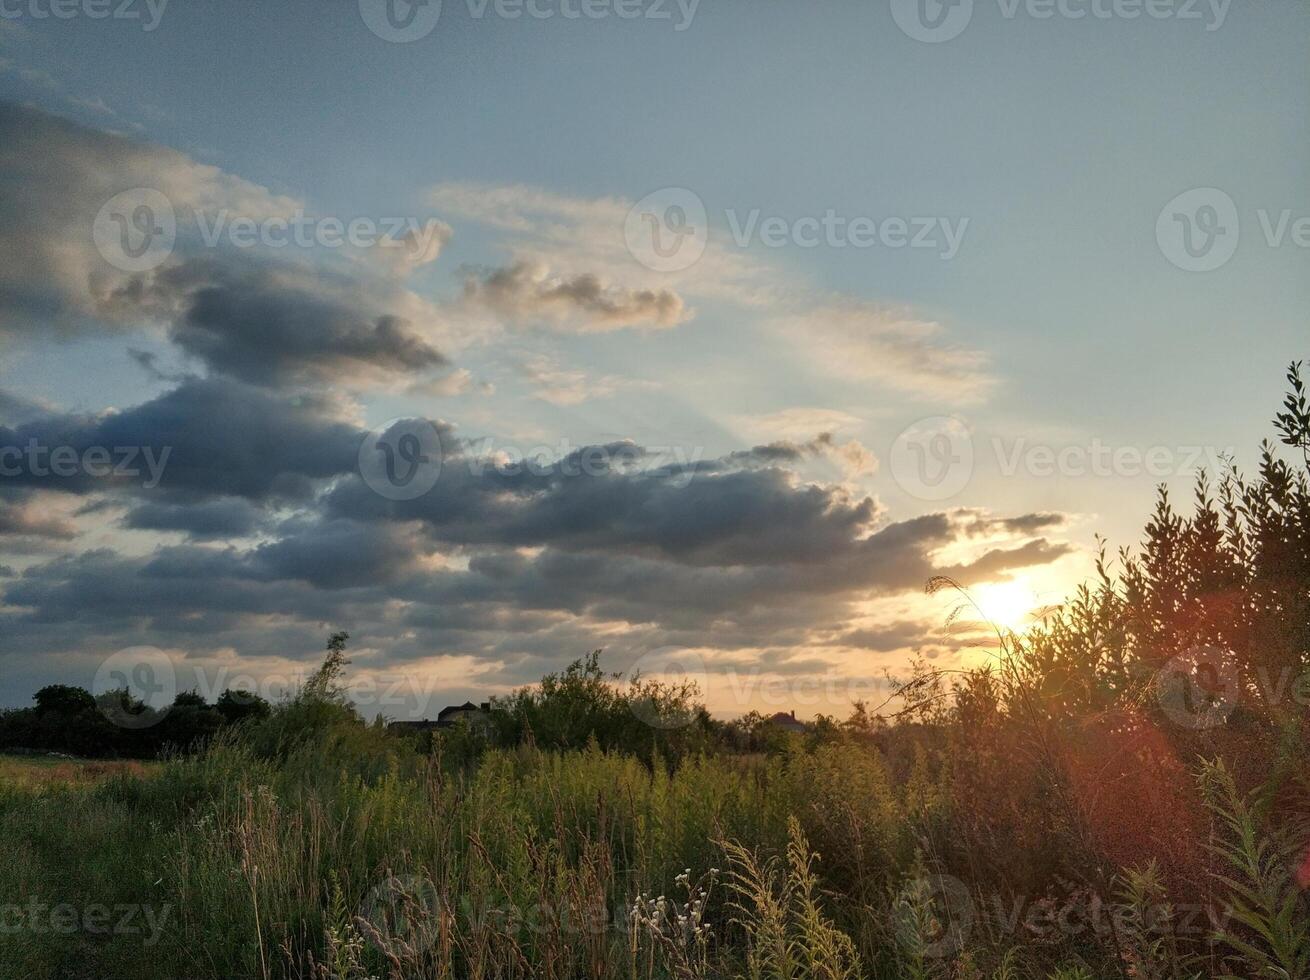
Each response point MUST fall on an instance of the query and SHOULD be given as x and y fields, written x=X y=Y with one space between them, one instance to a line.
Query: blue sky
x=1053 y=143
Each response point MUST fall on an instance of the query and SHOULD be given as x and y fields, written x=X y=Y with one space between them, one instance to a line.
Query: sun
x=1007 y=604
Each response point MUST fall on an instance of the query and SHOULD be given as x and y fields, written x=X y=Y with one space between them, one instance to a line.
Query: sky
x=703 y=333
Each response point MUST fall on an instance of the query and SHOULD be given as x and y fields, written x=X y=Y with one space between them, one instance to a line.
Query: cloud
x=22 y=516
x=60 y=174
x=458 y=382
x=417 y=247
x=577 y=237
x=243 y=312
x=567 y=386
x=222 y=518
x=527 y=291
x=865 y=343
x=209 y=437
x=795 y=424
x=850 y=455
x=15 y=408
x=277 y=324
x=571 y=259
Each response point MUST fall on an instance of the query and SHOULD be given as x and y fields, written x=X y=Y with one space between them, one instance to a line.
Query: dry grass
x=42 y=772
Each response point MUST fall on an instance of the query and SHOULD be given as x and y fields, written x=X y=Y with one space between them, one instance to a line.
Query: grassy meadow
x=1122 y=793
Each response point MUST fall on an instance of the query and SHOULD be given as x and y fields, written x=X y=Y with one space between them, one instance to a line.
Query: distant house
x=786 y=720
x=467 y=713
x=411 y=726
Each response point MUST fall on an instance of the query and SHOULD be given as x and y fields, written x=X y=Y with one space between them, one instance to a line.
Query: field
x=34 y=772
x=1121 y=793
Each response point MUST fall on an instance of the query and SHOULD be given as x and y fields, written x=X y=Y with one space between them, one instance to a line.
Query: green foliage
x=1271 y=934
x=644 y=717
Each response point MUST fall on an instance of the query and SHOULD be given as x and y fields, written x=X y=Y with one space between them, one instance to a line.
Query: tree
x=325 y=684
x=239 y=705
x=63 y=699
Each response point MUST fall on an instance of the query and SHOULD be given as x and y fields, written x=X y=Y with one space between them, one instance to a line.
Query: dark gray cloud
x=225 y=517
x=274 y=324
x=238 y=311
x=208 y=437
x=528 y=291
x=505 y=563
x=591 y=500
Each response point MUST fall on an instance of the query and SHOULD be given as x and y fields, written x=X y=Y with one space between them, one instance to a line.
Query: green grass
x=341 y=864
